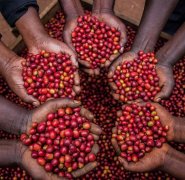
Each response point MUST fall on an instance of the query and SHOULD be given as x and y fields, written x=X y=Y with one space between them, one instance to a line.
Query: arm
x=11 y=70
x=72 y=8
x=13 y=118
x=174 y=163
x=174 y=49
x=155 y=15
x=8 y=152
x=100 y=6
x=168 y=55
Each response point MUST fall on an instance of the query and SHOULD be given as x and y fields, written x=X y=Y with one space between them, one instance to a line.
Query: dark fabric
x=12 y=10
x=176 y=19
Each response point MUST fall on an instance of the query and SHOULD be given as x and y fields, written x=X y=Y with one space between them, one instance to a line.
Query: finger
x=89 y=71
x=95 y=149
x=90 y=166
x=165 y=91
x=114 y=56
x=54 y=104
x=107 y=64
x=110 y=74
x=76 y=78
x=96 y=137
x=113 y=86
x=115 y=145
x=97 y=71
x=84 y=112
x=84 y=63
x=130 y=166
x=76 y=89
x=115 y=96
x=95 y=129
x=67 y=39
x=25 y=97
x=119 y=113
x=123 y=38
x=115 y=64
x=66 y=49
x=114 y=130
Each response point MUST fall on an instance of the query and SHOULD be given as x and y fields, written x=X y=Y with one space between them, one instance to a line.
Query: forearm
x=6 y=55
x=174 y=163
x=30 y=27
x=72 y=8
x=9 y=153
x=174 y=49
x=13 y=118
x=155 y=15
x=100 y=6
x=179 y=129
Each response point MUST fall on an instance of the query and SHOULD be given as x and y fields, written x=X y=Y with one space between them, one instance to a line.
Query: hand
x=52 y=45
x=154 y=159
x=39 y=115
x=31 y=166
x=129 y=56
x=110 y=19
x=11 y=70
x=68 y=29
x=166 y=119
x=166 y=81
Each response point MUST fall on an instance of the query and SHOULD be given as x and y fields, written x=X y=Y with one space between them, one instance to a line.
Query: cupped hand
x=52 y=45
x=39 y=115
x=32 y=167
x=152 y=160
x=129 y=56
x=12 y=72
x=166 y=81
x=110 y=19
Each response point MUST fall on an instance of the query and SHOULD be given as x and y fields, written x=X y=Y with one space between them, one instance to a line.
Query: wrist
x=167 y=158
x=19 y=150
x=103 y=6
x=72 y=8
x=31 y=27
x=6 y=57
x=179 y=125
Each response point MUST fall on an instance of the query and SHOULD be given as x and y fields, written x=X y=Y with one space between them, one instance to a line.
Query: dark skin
x=152 y=23
x=37 y=39
x=168 y=55
x=11 y=70
x=165 y=158
x=103 y=10
x=21 y=121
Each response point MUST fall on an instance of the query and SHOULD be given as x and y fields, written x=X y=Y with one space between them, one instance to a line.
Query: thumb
x=165 y=91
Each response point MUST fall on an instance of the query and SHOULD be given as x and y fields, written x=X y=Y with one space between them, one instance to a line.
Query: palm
x=166 y=81
x=129 y=56
x=150 y=161
x=34 y=169
x=166 y=119
x=13 y=75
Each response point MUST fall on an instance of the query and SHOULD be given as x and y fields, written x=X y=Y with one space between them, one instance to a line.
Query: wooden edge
x=49 y=12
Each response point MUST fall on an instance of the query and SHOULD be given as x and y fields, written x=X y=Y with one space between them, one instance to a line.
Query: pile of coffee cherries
x=48 y=75
x=137 y=79
x=62 y=143
x=94 y=41
x=139 y=129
